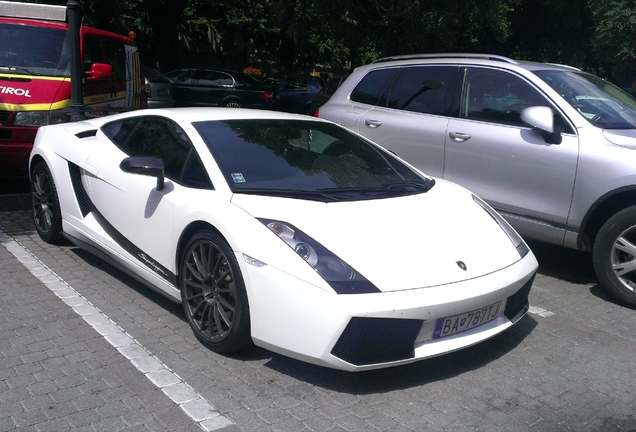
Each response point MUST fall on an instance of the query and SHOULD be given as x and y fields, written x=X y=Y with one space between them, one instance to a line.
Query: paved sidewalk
x=57 y=373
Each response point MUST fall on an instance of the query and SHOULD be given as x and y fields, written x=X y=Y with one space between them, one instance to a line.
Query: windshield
x=34 y=50
x=602 y=103
x=307 y=160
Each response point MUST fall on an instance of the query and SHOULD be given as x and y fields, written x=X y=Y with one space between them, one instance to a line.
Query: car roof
x=468 y=58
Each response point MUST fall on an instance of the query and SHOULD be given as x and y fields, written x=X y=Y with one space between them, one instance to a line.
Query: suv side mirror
x=99 y=70
x=542 y=118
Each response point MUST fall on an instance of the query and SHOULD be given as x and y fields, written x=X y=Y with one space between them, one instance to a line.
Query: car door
x=413 y=118
x=134 y=214
x=490 y=151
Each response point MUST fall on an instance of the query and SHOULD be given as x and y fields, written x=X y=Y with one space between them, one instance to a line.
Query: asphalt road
x=84 y=347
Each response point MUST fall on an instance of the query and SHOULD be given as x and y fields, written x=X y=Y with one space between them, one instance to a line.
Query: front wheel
x=45 y=204
x=213 y=293
x=614 y=256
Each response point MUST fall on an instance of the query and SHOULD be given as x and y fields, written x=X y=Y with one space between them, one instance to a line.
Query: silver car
x=158 y=89
x=550 y=147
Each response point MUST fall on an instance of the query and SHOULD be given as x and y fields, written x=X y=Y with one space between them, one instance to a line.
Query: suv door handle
x=373 y=123
x=459 y=137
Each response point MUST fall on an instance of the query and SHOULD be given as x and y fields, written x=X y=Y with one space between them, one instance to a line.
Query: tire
x=614 y=256
x=45 y=205
x=233 y=104
x=213 y=294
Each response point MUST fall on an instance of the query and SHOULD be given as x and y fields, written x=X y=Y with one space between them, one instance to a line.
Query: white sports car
x=285 y=231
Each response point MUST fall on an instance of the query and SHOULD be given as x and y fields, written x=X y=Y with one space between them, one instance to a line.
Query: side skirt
x=110 y=260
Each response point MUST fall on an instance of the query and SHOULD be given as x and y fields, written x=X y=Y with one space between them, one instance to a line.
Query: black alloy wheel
x=45 y=205
x=213 y=293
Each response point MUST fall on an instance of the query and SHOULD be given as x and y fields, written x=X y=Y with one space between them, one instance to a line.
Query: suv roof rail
x=447 y=55
x=46 y=12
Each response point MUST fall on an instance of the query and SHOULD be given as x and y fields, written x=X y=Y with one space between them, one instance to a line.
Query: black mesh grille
x=4 y=116
x=518 y=301
x=78 y=188
x=377 y=340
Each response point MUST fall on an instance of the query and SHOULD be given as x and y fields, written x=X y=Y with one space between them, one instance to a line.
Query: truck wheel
x=614 y=256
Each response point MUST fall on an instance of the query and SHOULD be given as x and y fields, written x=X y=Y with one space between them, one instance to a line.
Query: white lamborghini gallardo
x=285 y=231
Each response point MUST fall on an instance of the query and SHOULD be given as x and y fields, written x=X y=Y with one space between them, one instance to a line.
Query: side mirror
x=542 y=118
x=145 y=165
x=99 y=70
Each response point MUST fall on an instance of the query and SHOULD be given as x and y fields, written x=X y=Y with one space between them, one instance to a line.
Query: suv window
x=371 y=88
x=499 y=97
x=422 y=89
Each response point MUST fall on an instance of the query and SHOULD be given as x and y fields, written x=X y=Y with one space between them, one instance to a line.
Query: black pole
x=74 y=15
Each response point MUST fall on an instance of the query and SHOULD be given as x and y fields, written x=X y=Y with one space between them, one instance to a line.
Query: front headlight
x=340 y=275
x=41 y=118
x=515 y=238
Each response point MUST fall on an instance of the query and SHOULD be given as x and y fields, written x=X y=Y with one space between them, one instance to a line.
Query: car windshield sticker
x=238 y=178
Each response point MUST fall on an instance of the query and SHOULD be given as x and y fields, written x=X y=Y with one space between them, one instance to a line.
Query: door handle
x=459 y=137
x=373 y=123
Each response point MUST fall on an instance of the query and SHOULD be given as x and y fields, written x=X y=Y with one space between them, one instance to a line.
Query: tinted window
x=499 y=97
x=373 y=85
x=159 y=137
x=116 y=56
x=92 y=52
x=422 y=89
x=303 y=159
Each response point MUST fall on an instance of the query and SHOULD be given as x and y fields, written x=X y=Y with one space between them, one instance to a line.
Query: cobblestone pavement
x=84 y=347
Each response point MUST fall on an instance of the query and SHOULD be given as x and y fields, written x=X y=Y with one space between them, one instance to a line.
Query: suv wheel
x=615 y=256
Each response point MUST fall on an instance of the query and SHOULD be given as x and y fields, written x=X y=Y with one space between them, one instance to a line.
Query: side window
x=371 y=88
x=116 y=56
x=92 y=52
x=422 y=89
x=159 y=137
x=194 y=174
x=499 y=97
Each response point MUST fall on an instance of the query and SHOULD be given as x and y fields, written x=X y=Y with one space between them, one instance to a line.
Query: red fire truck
x=35 y=76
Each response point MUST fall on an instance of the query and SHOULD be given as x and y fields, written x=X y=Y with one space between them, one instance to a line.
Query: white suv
x=552 y=148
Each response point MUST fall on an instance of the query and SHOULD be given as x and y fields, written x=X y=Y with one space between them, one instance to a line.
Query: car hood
x=400 y=243
x=622 y=137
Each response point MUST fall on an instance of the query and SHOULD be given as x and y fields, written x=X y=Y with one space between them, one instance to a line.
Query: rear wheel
x=234 y=104
x=213 y=293
x=615 y=256
x=45 y=205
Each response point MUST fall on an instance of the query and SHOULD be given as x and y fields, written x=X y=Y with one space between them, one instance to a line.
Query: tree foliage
x=597 y=35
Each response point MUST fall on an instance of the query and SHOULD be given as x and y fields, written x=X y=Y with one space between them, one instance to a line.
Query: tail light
x=148 y=91
x=266 y=96
x=317 y=113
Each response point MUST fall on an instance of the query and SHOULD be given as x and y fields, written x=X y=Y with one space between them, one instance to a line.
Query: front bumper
x=369 y=331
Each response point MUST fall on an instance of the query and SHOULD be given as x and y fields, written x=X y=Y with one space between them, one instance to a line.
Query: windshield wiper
x=19 y=69
x=315 y=195
x=410 y=185
x=388 y=188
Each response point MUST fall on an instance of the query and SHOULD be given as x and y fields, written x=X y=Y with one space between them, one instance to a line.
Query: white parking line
x=541 y=312
x=196 y=407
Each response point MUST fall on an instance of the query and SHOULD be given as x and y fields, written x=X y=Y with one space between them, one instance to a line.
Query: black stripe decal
x=131 y=248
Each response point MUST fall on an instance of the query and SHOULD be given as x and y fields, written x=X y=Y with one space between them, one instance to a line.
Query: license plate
x=459 y=323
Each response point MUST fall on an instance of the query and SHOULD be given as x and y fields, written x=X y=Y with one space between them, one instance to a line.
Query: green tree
x=614 y=38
